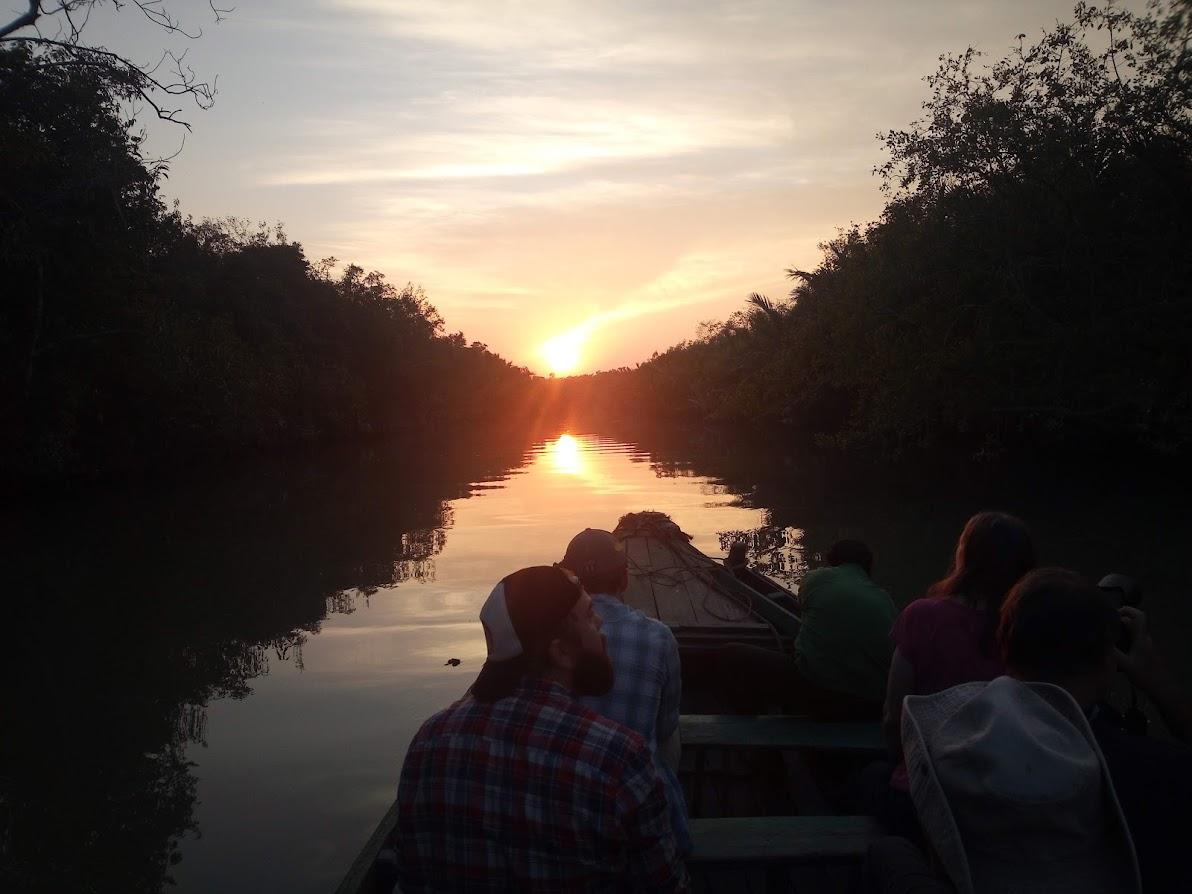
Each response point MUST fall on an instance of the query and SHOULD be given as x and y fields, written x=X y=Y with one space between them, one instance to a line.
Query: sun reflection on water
x=567 y=454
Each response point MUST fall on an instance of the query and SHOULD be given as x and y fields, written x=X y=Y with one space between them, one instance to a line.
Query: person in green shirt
x=842 y=651
x=844 y=641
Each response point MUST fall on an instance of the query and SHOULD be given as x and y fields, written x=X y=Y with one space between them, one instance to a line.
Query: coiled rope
x=690 y=565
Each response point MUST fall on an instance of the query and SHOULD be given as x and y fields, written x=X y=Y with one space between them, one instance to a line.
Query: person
x=843 y=643
x=1013 y=793
x=949 y=637
x=647 y=681
x=1057 y=628
x=842 y=650
x=519 y=787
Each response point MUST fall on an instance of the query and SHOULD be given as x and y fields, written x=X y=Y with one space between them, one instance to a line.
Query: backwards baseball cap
x=593 y=551
x=520 y=616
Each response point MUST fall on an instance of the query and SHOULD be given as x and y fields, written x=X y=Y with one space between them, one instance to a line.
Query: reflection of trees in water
x=672 y=469
x=774 y=550
x=136 y=611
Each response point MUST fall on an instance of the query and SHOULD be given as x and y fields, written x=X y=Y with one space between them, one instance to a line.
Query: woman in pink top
x=948 y=637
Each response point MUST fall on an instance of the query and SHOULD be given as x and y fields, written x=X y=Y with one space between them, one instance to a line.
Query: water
x=218 y=682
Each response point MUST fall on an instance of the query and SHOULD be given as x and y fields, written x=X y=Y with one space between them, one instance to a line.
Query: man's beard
x=593 y=674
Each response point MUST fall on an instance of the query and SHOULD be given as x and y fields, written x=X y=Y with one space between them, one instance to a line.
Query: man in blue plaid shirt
x=519 y=787
x=645 y=656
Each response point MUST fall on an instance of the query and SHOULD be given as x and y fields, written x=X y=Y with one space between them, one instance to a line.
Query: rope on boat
x=660 y=526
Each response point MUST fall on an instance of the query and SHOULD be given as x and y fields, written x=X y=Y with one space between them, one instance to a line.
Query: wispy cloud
x=612 y=169
x=521 y=136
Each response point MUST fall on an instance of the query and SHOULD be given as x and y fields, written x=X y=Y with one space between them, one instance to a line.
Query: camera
x=1122 y=590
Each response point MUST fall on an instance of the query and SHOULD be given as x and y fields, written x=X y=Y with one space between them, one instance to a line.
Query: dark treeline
x=1027 y=284
x=132 y=335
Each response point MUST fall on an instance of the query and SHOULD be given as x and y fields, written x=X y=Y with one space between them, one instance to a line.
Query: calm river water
x=218 y=682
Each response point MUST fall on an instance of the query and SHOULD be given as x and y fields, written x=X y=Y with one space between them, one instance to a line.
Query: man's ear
x=562 y=653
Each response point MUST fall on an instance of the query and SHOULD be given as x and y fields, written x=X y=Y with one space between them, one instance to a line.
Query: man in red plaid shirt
x=518 y=787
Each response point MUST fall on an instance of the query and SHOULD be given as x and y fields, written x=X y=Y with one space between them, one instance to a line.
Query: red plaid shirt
x=532 y=793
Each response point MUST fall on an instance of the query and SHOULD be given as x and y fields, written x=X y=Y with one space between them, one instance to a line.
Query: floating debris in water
x=453 y=662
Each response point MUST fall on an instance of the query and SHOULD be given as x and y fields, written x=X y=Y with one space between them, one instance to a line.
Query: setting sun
x=562 y=353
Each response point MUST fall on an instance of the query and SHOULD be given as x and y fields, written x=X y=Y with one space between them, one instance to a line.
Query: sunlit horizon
x=564 y=353
x=621 y=170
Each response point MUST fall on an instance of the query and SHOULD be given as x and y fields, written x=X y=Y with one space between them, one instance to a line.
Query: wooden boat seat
x=778 y=731
x=782 y=839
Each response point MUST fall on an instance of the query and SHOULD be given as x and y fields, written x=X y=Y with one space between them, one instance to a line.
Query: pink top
x=941 y=639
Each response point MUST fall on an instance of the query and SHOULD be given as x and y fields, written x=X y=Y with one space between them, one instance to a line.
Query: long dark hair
x=994 y=551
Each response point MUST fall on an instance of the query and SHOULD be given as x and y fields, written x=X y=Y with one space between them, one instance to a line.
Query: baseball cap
x=519 y=617
x=593 y=551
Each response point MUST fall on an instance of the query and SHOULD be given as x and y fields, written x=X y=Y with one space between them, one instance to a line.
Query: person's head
x=1057 y=628
x=540 y=622
x=598 y=559
x=850 y=552
x=993 y=552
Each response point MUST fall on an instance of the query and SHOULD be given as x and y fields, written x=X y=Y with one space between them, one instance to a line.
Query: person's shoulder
x=659 y=629
x=927 y=607
x=918 y=618
x=602 y=740
x=445 y=721
x=651 y=627
x=879 y=593
x=816 y=583
x=819 y=575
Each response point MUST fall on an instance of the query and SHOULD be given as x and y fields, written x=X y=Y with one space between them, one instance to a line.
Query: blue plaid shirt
x=646 y=690
x=532 y=793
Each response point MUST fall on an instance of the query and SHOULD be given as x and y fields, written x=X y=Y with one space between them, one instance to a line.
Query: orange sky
x=618 y=171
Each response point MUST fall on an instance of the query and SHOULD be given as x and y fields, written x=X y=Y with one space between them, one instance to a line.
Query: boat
x=705 y=603
x=758 y=815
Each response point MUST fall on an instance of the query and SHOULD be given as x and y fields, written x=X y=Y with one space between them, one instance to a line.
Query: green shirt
x=844 y=642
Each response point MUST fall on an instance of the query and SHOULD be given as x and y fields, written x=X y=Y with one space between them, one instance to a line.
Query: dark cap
x=593 y=551
x=519 y=617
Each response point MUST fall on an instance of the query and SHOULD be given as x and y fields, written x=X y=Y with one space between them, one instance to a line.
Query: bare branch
x=21 y=21
x=133 y=80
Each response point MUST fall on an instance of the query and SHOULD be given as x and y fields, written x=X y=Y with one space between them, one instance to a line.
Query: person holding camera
x=1056 y=632
x=1057 y=628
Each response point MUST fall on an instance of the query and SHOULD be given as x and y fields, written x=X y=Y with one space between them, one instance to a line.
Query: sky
x=598 y=177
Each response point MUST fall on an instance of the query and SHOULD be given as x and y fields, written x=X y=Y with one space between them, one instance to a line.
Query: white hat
x=1013 y=793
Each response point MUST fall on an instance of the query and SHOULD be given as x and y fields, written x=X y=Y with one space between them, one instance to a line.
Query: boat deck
x=698 y=598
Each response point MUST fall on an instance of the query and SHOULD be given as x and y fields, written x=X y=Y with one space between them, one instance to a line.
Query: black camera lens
x=1121 y=590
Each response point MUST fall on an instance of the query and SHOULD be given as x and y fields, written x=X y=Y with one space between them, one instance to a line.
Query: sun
x=562 y=353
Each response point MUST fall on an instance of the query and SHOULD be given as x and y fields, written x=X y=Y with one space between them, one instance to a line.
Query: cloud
x=614 y=167
x=695 y=279
x=525 y=136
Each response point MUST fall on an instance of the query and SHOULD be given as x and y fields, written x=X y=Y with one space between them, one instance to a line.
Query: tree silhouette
x=1026 y=285
x=56 y=31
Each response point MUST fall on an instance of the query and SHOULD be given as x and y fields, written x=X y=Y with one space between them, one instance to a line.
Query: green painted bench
x=782 y=839
x=778 y=731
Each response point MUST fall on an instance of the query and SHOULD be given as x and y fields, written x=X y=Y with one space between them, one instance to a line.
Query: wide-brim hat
x=1013 y=793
